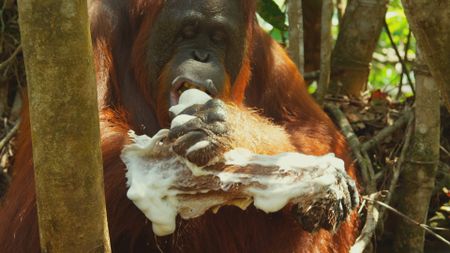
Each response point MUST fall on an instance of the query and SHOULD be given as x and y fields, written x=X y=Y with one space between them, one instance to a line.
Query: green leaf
x=272 y=14
x=276 y=35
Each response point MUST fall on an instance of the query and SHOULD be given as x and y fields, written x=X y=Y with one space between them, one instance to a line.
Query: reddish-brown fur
x=268 y=81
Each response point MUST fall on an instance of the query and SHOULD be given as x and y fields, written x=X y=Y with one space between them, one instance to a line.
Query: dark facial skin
x=197 y=42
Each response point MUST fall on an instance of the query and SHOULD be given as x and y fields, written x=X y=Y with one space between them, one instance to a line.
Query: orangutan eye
x=218 y=36
x=189 y=31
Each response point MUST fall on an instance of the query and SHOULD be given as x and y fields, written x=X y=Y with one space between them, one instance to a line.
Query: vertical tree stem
x=325 y=50
x=359 y=32
x=430 y=23
x=417 y=178
x=64 y=126
x=296 y=39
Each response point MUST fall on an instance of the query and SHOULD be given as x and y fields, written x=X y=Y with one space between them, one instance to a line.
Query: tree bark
x=326 y=44
x=64 y=126
x=312 y=10
x=417 y=177
x=430 y=23
x=360 y=29
x=296 y=47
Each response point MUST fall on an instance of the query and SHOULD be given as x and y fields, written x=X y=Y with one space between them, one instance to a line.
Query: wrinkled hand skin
x=326 y=210
x=332 y=208
x=209 y=126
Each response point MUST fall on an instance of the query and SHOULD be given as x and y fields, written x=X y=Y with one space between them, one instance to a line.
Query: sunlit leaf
x=272 y=14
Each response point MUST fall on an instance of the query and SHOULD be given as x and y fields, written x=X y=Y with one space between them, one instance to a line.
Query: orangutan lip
x=181 y=84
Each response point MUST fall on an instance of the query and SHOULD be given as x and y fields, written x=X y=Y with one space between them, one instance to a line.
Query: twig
x=400 y=59
x=11 y=57
x=346 y=100
x=361 y=208
x=362 y=157
x=371 y=185
x=440 y=229
x=157 y=244
x=312 y=75
x=370 y=225
x=387 y=131
x=421 y=225
x=374 y=216
x=10 y=134
x=398 y=166
x=445 y=151
x=405 y=59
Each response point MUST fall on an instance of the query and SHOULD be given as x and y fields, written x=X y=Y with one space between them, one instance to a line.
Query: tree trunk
x=64 y=125
x=326 y=44
x=417 y=177
x=360 y=29
x=312 y=10
x=296 y=38
x=430 y=23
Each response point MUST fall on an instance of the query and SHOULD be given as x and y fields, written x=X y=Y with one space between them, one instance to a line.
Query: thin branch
x=387 y=131
x=439 y=229
x=371 y=185
x=312 y=75
x=421 y=225
x=445 y=151
x=400 y=59
x=11 y=57
x=374 y=216
x=9 y=135
x=398 y=166
x=362 y=157
x=405 y=59
x=370 y=225
x=346 y=100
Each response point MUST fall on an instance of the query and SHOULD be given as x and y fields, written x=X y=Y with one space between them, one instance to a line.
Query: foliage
x=386 y=72
x=272 y=13
x=387 y=77
x=441 y=217
x=272 y=17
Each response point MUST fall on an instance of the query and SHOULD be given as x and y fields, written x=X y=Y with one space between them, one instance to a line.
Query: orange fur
x=239 y=86
x=285 y=118
x=260 y=141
